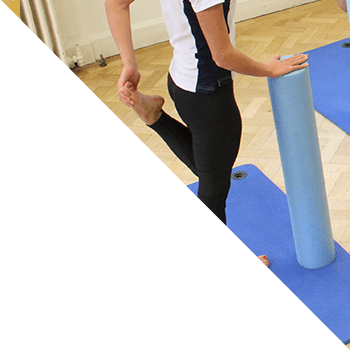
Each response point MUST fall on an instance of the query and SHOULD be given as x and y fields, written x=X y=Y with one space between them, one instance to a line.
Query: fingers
x=298 y=60
x=130 y=86
x=126 y=94
x=125 y=97
x=300 y=66
x=287 y=65
x=128 y=83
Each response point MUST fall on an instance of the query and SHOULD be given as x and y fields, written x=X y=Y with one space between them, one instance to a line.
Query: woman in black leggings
x=210 y=142
x=200 y=83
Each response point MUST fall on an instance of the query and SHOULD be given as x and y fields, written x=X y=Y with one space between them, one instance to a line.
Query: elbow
x=220 y=64
x=221 y=61
x=223 y=56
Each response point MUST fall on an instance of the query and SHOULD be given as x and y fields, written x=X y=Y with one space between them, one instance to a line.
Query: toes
x=126 y=99
x=265 y=260
x=128 y=95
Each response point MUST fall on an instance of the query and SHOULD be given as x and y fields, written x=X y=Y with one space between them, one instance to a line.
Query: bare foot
x=264 y=259
x=147 y=107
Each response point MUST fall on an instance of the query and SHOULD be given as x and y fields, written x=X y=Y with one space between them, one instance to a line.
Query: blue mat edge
x=193 y=187
x=334 y=119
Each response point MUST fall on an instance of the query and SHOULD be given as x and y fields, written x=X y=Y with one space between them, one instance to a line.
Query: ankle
x=154 y=118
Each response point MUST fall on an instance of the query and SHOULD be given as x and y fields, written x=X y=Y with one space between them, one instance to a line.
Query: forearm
x=118 y=16
x=224 y=53
x=234 y=60
x=226 y=56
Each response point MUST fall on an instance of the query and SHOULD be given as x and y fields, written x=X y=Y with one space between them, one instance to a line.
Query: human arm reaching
x=118 y=16
x=226 y=56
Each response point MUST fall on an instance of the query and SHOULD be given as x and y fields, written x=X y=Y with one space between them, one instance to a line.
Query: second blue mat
x=330 y=80
x=257 y=213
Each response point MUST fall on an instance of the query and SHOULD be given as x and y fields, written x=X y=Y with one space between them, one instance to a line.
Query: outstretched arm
x=118 y=16
x=226 y=56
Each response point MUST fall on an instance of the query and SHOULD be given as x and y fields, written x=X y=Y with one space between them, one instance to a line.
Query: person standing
x=200 y=82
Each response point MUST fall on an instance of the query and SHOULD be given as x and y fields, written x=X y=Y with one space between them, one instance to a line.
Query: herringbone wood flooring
x=287 y=32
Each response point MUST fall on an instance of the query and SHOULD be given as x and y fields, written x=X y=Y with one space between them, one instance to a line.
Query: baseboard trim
x=144 y=34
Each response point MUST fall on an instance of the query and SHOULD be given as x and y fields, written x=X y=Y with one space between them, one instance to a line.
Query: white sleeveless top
x=192 y=67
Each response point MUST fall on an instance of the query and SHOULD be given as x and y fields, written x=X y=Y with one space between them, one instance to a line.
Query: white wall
x=85 y=23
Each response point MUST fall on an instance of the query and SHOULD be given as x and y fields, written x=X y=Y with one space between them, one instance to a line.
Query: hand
x=278 y=67
x=131 y=76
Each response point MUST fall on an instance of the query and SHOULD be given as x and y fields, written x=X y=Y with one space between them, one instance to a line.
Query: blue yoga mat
x=330 y=80
x=257 y=212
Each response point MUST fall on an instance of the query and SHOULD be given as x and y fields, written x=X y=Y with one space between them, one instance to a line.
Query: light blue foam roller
x=294 y=115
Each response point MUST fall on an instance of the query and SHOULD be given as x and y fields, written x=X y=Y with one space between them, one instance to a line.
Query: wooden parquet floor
x=287 y=32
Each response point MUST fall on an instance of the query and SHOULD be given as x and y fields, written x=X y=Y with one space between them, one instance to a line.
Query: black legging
x=209 y=144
